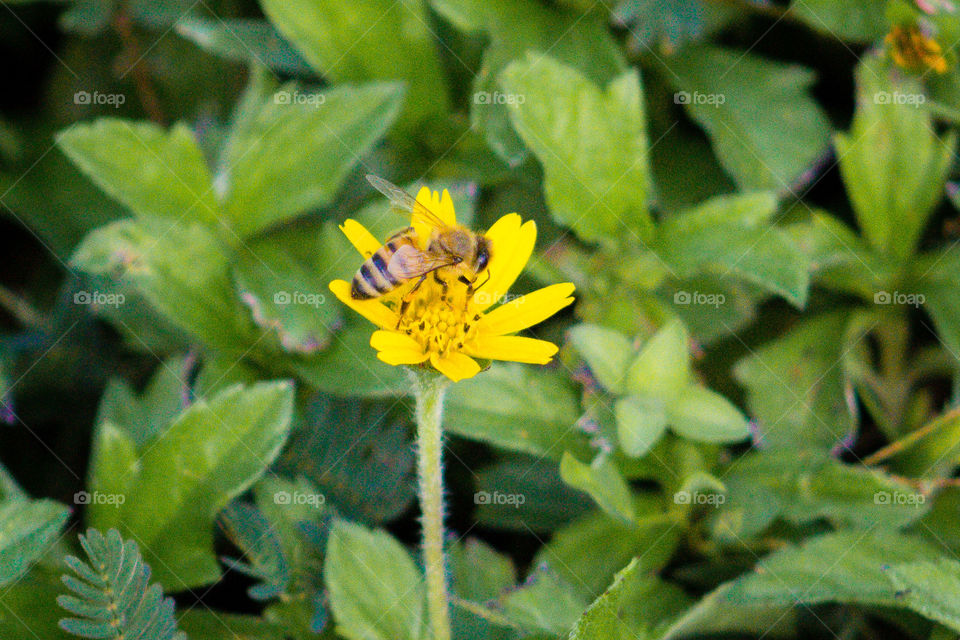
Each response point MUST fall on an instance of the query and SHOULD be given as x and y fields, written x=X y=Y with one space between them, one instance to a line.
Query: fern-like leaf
x=112 y=596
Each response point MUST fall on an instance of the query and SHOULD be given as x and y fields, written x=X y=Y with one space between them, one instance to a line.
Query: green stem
x=430 y=389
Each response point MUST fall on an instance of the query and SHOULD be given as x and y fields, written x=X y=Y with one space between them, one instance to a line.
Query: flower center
x=439 y=318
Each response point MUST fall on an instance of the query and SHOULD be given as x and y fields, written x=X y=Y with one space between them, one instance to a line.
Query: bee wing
x=404 y=201
x=410 y=262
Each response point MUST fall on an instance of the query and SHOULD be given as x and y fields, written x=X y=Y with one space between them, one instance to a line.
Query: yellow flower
x=913 y=50
x=449 y=331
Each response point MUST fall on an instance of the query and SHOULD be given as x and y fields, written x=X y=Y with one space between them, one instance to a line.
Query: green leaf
x=641 y=422
x=935 y=275
x=142 y=416
x=548 y=502
x=607 y=353
x=731 y=235
x=27 y=529
x=805 y=486
x=243 y=40
x=114 y=466
x=602 y=481
x=743 y=102
x=930 y=588
x=602 y=618
x=669 y=24
x=545 y=602
x=172 y=180
x=839 y=258
x=376 y=590
x=212 y=452
x=513 y=29
x=856 y=20
x=263 y=558
x=281 y=160
x=844 y=566
x=181 y=269
x=930 y=451
x=795 y=385
x=112 y=595
x=350 y=367
x=478 y=572
x=591 y=141
x=282 y=277
x=662 y=368
x=893 y=163
x=352 y=41
x=359 y=453
x=517 y=408
x=652 y=538
x=706 y=416
x=30 y=605
x=715 y=614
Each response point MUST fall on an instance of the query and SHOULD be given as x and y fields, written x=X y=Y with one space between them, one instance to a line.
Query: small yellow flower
x=450 y=331
x=913 y=50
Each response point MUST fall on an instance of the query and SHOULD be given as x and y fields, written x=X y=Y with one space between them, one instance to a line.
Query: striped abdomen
x=373 y=279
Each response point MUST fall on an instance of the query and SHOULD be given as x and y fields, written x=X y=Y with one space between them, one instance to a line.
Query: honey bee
x=401 y=259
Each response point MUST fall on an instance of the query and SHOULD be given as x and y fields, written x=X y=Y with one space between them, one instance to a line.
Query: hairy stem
x=430 y=389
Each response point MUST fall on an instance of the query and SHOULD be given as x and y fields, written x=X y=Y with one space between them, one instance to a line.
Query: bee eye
x=483 y=257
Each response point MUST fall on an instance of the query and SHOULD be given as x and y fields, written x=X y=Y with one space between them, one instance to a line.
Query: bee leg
x=405 y=300
x=442 y=283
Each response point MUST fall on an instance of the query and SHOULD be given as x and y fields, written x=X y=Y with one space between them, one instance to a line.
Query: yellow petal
x=512 y=244
x=397 y=348
x=445 y=209
x=422 y=227
x=527 y=310
x=360 y=238
x=455 y=366
x=513 y=348
x=373 y=310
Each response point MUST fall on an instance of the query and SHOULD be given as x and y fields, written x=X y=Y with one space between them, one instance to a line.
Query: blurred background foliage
x=751 y=429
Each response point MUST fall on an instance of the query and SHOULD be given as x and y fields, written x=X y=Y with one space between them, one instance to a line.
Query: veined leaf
x=517 y=408
x=172 y=179
x=513 y=29
x=592 y=143
x=353 y=41
x=602 y=481
x=212 y=452
x=765 y=128
x=376 y=590
x=279 y=160
x=893 y=163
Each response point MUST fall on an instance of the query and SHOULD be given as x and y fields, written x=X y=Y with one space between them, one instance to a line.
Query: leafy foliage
x=750 y=426
x=113 y=597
